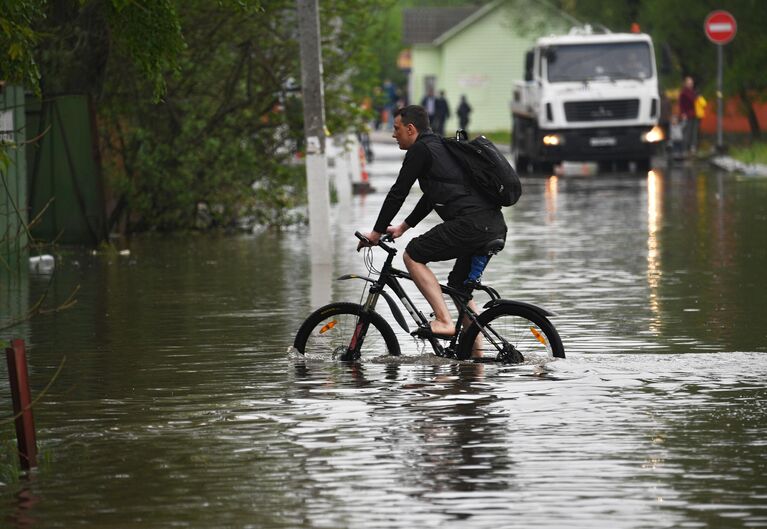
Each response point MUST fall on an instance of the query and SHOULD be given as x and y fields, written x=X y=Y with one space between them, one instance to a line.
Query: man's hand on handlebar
x=367 y=239
x=397 y=231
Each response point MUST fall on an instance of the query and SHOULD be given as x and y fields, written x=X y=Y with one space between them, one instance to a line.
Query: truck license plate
x=602 y=141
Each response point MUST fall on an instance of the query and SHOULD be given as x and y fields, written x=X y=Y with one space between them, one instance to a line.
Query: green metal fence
x=13 y=181
x=65 y=187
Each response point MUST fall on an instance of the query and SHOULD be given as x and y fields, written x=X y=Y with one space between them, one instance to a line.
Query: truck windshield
x=587 y=62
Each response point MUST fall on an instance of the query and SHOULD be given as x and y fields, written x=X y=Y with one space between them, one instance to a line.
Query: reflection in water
x=654 y=221
x=461 y=437
x=322 y=276
x=179 y=407
x=21 y=517
x=552 y=191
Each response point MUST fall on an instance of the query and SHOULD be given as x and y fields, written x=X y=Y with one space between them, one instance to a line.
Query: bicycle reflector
x=538 y=336
x=329 y=325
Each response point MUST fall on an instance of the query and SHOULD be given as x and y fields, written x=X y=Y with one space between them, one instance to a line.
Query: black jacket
x=444 y=187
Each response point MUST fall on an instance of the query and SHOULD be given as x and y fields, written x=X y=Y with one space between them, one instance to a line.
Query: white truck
x=587 y=96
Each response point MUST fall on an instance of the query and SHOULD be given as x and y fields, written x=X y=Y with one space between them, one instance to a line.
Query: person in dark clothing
x=464 y=109
x=470 y=220
x=429 y=102
x=441 y=113
x=687 y=98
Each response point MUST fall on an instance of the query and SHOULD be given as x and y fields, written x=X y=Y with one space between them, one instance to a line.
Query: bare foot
x=443 y=328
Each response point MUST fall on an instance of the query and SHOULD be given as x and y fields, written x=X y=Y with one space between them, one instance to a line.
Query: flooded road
x=179 y=404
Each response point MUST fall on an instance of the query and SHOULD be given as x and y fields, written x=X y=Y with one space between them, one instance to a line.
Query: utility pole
x=314 y=129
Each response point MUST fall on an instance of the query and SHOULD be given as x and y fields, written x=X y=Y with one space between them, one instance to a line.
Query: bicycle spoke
x=519 y=332
x=333 y=337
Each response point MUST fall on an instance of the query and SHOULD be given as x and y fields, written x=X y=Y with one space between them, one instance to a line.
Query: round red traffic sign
x=720 y=27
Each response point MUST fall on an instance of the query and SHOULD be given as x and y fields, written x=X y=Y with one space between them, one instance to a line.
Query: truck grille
x=602 y=110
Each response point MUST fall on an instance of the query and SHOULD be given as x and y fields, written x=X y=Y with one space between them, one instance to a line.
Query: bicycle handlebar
x=386 y=237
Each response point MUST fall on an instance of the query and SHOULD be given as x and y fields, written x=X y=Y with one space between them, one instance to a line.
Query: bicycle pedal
x=425 y=333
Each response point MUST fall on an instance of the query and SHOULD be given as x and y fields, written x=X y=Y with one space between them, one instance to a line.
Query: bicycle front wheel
x=527 y=331
x=331 y=330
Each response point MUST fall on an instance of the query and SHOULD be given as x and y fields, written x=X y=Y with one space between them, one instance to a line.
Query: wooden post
x=22 y=401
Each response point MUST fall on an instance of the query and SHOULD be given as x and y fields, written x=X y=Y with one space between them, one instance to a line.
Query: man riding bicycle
x=470 y=220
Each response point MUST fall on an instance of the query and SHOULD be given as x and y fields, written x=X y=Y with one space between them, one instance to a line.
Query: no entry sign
x=720 y=27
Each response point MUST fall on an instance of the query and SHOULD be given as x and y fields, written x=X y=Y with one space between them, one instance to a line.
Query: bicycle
x=510 y=329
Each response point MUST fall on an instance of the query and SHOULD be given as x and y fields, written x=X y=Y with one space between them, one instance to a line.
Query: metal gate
x=64 y=171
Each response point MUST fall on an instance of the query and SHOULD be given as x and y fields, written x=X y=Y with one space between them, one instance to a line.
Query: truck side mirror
x=529 y=60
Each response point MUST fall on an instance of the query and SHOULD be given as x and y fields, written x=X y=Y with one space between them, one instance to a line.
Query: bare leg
x=427 y=283
x=476 y=350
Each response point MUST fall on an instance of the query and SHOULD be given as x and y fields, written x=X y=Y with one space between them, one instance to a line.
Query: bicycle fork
x=353 y=352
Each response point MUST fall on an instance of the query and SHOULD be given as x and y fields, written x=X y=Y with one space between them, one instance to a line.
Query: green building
x=476 y=52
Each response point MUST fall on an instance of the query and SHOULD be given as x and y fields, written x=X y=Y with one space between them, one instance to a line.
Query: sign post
x=720 y=28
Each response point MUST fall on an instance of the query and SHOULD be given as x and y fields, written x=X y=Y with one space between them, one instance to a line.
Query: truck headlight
x=552 y=140
x=654 y=135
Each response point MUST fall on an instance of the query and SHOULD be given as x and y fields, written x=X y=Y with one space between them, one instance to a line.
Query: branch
x=39 y=396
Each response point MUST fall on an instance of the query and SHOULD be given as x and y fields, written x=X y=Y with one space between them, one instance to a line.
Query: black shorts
x=458 y=239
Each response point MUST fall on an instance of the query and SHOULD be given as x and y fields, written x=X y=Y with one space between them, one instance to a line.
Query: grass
x=756 y=152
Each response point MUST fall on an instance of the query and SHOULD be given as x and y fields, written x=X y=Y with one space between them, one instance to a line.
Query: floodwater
x=179 y=405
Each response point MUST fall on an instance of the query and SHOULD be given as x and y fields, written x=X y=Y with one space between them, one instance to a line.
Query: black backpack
x=486 y=168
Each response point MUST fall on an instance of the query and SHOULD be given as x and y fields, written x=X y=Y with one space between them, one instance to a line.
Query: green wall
x=483 y=59
x=426 y=62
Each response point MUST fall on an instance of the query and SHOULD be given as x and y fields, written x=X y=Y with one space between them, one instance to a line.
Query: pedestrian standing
x=390 y=102
x=676 y=137
x=687 y=98
x=464 y=109
x=429 y=102
x=441 y=113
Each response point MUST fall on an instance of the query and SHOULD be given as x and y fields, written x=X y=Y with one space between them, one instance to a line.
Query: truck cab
x=587 y=97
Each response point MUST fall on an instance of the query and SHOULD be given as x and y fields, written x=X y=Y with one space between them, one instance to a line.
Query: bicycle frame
x=389 y=277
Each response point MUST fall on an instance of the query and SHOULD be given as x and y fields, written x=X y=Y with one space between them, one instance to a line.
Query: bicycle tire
x=528 y=331
x=328 y=331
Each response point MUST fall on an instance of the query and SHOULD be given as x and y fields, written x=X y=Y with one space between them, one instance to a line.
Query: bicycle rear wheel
x=329 y=331
x=526 y=330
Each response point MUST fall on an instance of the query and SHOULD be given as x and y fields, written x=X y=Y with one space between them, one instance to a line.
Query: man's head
x=409 y=122
x=689 y=82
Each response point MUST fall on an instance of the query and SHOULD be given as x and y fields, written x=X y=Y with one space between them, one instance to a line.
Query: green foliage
x=9 y=459
x=222 y=138
x=679 y=29
x=18 y=40
x=149 y=33
x=754 y=153
x=64 y=45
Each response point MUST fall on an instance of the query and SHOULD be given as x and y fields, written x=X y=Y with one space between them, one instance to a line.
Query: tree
x=678 y=33
x=196 y=100
x=18 y=39
x=231 y=118
x=44 y=40
x=745 y=58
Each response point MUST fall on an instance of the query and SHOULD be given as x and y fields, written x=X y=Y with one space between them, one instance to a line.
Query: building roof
x=422 y=25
